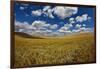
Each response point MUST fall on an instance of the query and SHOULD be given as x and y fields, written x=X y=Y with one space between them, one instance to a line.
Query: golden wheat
x=79 y=48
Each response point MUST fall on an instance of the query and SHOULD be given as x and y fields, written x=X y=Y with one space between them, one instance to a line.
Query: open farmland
x=70 y=49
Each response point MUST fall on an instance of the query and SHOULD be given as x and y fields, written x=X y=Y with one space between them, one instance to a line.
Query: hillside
x=71 y=49
x=25 y=35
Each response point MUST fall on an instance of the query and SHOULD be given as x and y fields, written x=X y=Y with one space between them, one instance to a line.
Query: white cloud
x=48 y=11
x=42 y=31
x=43 y=25
x=36 y=27
x=85 y=17
x=68 y=25
x=71 y=20
x=79 y=19
x=84 y=29
x=64 y=30
x=84 y=25
x=41 y=28
x=82 y=18
x=60 y=11
x=21 y=30
x=24 y=27
x=89 y=18
x=64 y=12
x=46 y=8
x=37 y=12
x=53 y=26
x=78 y=25
x=48 y=30
x=21 y=8
x=40 y=24
x=19 y=25
x=75 y=30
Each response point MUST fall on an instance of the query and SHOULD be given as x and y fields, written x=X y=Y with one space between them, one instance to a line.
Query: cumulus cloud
x=79 y=19
x=75 y=30
x=40 y=24
x=66 y=28
x=21 y=8
x=36 y=27
x=46 y=8
x=85 y=17
x=84 y=29
x=53 y=26
x=63 y=29
x=71 y=20
x=89 y=18
x=78 y=25
x=68 y=25
x=84 y=25
x=41 y=28
x=43 y=25
x=37 y=12
x=24 y=27
x=63 y=12
x=48 y=11
x=82 y=18
x=60 y=11
x=19 y=25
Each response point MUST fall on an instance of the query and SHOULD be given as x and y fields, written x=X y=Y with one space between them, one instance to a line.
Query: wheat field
x=70 y=49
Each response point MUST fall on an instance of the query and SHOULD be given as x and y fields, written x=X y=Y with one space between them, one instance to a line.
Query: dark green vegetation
x=77 y=48
x=24 y=35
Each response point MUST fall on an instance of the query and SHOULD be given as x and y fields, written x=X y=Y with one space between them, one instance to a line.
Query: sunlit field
x=70 y=49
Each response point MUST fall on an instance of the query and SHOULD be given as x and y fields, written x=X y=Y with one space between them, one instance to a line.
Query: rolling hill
x=71 y=49
x=25 y=35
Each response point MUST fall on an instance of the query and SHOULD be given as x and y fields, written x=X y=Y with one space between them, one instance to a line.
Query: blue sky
x=31 y=18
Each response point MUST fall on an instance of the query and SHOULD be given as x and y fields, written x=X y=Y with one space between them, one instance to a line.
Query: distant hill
x=25 y=35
